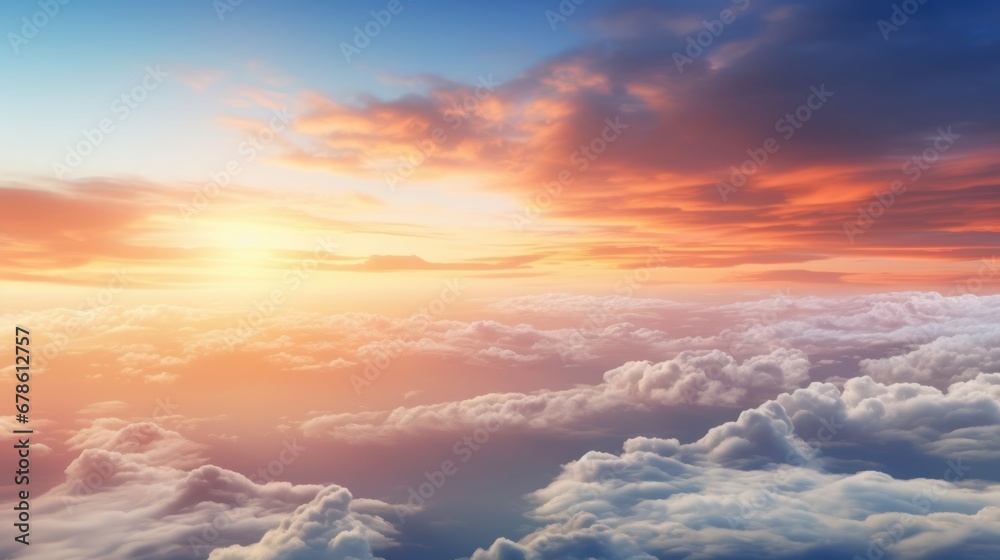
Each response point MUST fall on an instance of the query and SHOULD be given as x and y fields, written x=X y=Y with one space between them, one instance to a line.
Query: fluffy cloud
x=925 y=396
x=140 y=491
x=892 y=337
x=920 y=337
x=328 y=527
x=711 y=378
x=732 y=355
x=946 y=358
x=757 y=487
x=962 y=422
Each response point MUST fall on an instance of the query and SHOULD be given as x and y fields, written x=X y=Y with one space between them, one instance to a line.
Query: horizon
x=556 y=280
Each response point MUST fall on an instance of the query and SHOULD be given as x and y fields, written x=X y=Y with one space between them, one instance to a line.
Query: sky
x=523 y=280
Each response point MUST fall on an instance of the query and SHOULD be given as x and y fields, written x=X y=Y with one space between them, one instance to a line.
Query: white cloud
x=161 y=378
x=142 y=492
x=757 y=487
x=327 y=527
x=692 y=377
x=940 y=361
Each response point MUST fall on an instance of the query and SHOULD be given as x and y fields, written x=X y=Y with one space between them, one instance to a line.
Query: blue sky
x=97 y=51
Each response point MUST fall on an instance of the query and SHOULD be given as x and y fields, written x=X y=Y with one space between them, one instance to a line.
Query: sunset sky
x=615 y=229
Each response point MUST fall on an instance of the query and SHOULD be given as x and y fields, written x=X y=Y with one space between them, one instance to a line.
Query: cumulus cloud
x=327 y=527
x=944 y=359
x=711 y=378
x=928 y=361
x=758 y=487
x=140 y=491
x=962 y=421
x=892 y=337
x=851 y=384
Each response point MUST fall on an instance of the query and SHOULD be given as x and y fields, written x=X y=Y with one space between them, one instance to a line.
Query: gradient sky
x=480 y=203
x=627 y=233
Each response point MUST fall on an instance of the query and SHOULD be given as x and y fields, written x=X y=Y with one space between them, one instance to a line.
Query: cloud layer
x=141 y=492
x=757 y=487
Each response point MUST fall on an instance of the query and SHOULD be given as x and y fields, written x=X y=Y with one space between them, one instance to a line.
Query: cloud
x=101 y=408
x=161 y=378
x=930 y=396
x=947 y=358
x=795 y=276
x=680 y=134
x=905 y=336
x=795 y=330
x=141 y=491
x=326 y=527
x=706 y=378
x=109 y=224
x=758 y=487
x=396 y=263
x=683 y=128
x=961 y=422
x=579 y=305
